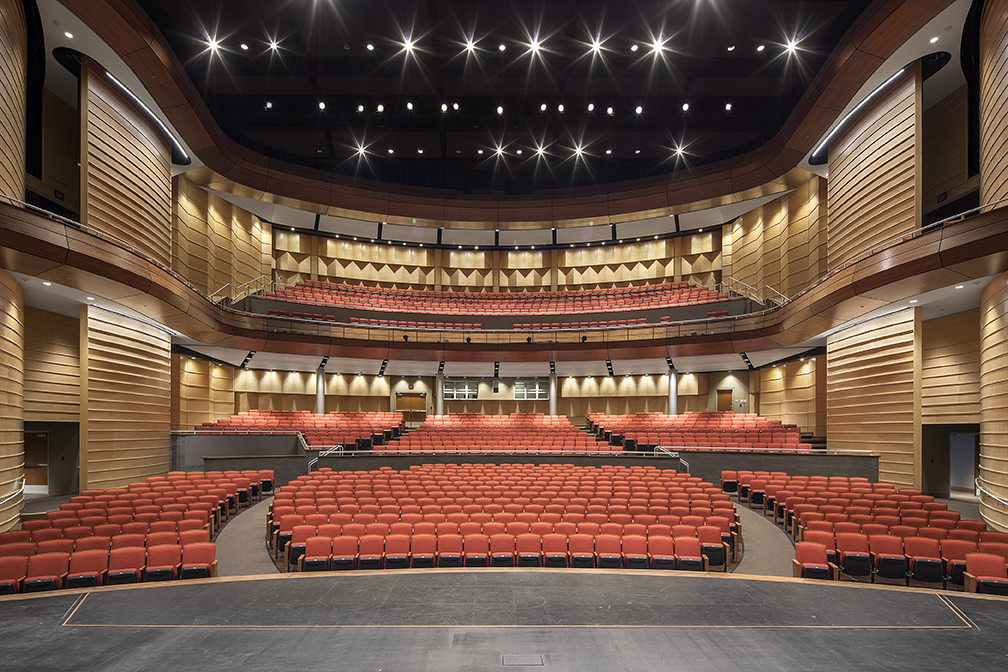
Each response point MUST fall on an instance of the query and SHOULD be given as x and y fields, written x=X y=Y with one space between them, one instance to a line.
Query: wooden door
x=36 y=457
x=724 y=400
x=413 y=406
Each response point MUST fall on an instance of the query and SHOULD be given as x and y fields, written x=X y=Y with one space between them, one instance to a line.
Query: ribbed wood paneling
x=945 y=151
x=295 y=391
x=60 y=171
x=11 y=398
x=950 y=369
x=201 y=392
x=214 y=242
x=874 y=177
x=873 y=388
x=994 y=400
x=13 y=85
x=125 y=170
x=782 y=244
x=648 y=261
x=788 y=393
x=125 y=400
x=52 y=367
x=994 y=102
x=354 y=262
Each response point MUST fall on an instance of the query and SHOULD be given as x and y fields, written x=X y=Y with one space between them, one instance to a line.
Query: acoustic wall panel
x=125 y=169
x=201 y=392
x=125 y=401
x=950 y=369
x=874 y=180
x=994 y=102
x=994 y=401
x=873 y=393
x=11 y=399
x=13 y=86
x=52 y=367
x=788 y=393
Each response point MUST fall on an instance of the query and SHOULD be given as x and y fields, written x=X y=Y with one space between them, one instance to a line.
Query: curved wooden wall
x=52 y=367
x=950 y=370
x=11 y=398
x=13 y=86
x=994 y=102
x=878 y=32
x=874 y=172
x=125 y=169
x=994 y=400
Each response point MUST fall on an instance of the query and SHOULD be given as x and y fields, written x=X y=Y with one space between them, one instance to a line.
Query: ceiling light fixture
x=321 y=105
x=596 y=46
x=69 y=35
x=591 y=107
x=760 y=47
x=609 y=111
x=500 y=109
x=244 y=47
x=444 y=107
x=608 y=151
x=360 y=108
x=409 y=106
x=455 y=106
x=633 y=47
x=542 y=108
x=501 y=47
x=274 y=45
x=685 y=107
x=380 y=108
x=933 y=39
x=639 y=109
x=534 y=45
x=470 y=46
x=370 y=47
x=47 y=283
x=727 y=107
x=792 y=46
x=560 y=108
x=213 y=44
x=268 y=105
x=408 y=45
x=391 y=151
x=731 y=47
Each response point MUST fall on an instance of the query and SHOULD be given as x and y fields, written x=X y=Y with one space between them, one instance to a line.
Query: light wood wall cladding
x=994 y=102
x=125 y=400
x=12 y=333
x=630 y=264
x=874 y=180
x=295 y=391
x=467 y=270
x=201 y=392
x=214 y=242
x=945 y=151
x=699 y=256
x=994 y=400
x=60 y=144
x=52 y=367
x=13 y=87
x=873 y=393
x=629 y=395
x=527 y=270
x=788 y=393
x=125 y=169
x=950 y=369
x=781 y=244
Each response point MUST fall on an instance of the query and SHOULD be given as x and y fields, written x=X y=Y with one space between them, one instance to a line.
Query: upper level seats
x=356 y=429
x=515 y=433
x=709 y=429
x=620 y=299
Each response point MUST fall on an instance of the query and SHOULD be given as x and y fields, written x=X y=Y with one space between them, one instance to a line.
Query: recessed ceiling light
x=268 y=105
x=419 y=151
x=479 y=151
x=380 y=108
x=90 y=298
x=47 y=283
x=244 y=47
x=540 y=150
x=727 y=107
x=500 y=109
x=934 y=39
x=636 y=151
x=578 y=150
x=591 y=107
x=444 y=107
x=639 y=109
x=560 y=108
x=501 y=47
x=500 y=150
x=408 y=45
x=609 y=111
x=518 y=152
x=274 y=45
x=542 y=108
x=534 y=45
x=913 y=300
x=596 y=46
x=69 y=36
x=731 y=47
x=633 y=48
x=760 y=48
x=292 y=228
x=657 y=46
x=608 y=151
x=454 y=106
x=370 y=47
x=959 y=286
x=701 y=230
x=360 y=108
x=321 y=105
x=685 y=107
x=391 y=151
x=409 y=106
x=470 y=46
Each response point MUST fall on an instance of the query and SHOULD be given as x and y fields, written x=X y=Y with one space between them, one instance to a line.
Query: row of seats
x=408 y=324
x=715 y=429
x=514 y=433
x=26 y=543
x=665 y=295
x=359 y=430
x=323 y=553
x=594 y=324
x=97 y=567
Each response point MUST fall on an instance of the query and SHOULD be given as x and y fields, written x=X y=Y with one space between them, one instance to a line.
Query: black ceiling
x=323 y=56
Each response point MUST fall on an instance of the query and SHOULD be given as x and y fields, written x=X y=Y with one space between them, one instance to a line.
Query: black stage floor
x=488 y=619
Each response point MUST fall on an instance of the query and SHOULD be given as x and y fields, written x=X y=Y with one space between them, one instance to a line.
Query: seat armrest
x=834 y=571
x=969 y=583
x=213 y=568
x=795 y=568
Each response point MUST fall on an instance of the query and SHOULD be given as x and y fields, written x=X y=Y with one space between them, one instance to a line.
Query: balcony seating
x=348 y=429
x=724 y=430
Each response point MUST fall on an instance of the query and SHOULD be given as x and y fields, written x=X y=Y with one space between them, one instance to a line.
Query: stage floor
x=570 y=620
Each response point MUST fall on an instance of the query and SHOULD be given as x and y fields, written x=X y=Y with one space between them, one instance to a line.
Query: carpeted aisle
x=768 y=549
x=241 y=546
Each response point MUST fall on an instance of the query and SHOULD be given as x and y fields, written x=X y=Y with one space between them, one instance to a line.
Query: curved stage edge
x=483 y=618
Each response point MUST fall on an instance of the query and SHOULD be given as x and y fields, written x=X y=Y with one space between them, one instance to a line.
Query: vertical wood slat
x=13 y=89
x=205 y=392
x=125 y=169
x=11 y=398
x=950 y=387
x=52 y=367
x=994 y=102
x=874 y=173
x=872 y=382
x=788 y=393
x=994 y=400
x=945 y=150
x=125 y=400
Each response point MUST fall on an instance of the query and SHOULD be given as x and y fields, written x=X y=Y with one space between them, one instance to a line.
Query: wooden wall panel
x=950 y=369
x=788 y=393
x=201 y=392
x=874 y=179
x=626 y=396
x=358 y=262
x=945 y=151
x=782 y=244
x=873 y=388
x=125 y=400
x=295 y=391
x=994 y=401
x=214 y=243
x=994 y=102
x=52 y=367
x=60 y=182
x=634 y=263
x=13 y=87
x=12 y=335
x=125 y=169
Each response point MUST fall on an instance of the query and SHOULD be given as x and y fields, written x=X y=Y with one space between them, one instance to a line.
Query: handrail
x=744 y=289
x=989 y=493
x=238 y=292
x=325 y=453
x=20 y=491
x=673 y=454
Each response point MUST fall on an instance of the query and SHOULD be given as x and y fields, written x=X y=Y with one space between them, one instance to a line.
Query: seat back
x=164 y=555
x=127 y=558
x=921 y=547
x=201 y=553
x=810 y=552
x=88 y=561
x=886 y=545
x=986 y=565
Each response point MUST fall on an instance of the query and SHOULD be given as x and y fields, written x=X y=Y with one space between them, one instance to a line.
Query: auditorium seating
x=507 y=434
x=115 y=536
x=359 y=430
x=701 y=430
x=480 y=515
x=564 y=302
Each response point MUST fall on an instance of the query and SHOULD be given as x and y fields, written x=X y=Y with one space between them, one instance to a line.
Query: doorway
x=413 y=406
x=724 y=400
x=36 y=462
